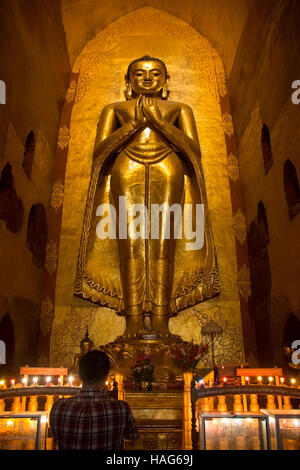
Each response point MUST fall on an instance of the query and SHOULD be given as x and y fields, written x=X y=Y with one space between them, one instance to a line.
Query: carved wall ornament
x=57 y=195
x=63 y=137
x=47 y=315
x=199 y=53
x=51 y=257
x=71 y=92
x=228 y=345
x=244 y=282
x=227 y=124
x=67 y=335
x=233 y=167
x=239 y=226
x=221 y=80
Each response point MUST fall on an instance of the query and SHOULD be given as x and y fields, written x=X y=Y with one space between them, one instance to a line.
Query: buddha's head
x=147 y=76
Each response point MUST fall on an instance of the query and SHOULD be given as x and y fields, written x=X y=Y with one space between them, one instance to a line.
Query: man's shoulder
x=61 y=402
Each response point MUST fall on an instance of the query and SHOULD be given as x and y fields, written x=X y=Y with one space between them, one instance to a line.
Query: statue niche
x=147 y=150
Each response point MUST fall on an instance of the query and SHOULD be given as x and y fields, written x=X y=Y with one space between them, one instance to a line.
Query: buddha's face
x=147 y=77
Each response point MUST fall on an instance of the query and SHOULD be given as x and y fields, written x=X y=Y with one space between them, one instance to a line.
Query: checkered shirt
x=91 y=421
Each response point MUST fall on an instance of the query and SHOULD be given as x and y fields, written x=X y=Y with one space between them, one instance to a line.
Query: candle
x=293 y=381
x=270 y=380
x=59 y=380
x=259 y=379
x=24 y=381
x=35 y=380
x=247 y=379
x=71 y=380
x=224 y=380
x=282 y=380
x=1 y=383
x=48 y=380
x=12 y=383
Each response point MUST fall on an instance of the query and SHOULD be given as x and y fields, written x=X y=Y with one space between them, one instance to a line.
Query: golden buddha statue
x=86 y=345
x=147 y=154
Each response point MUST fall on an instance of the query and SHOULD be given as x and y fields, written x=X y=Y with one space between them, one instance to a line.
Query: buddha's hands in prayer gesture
x=139 y=119
x=152 y=111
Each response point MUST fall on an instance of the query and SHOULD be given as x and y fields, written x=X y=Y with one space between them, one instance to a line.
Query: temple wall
x=35 y=68
x=266 y=64
x=195 y=68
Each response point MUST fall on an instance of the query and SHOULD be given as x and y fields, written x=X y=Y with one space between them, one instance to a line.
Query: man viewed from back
x=89 y=420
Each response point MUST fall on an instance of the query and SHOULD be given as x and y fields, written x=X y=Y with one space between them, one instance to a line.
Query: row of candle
x=48 y=382
x=259 y=380
x=35 y=382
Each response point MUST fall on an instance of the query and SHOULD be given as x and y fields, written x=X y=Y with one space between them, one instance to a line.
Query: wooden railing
x=19 y=396
x=235 y=397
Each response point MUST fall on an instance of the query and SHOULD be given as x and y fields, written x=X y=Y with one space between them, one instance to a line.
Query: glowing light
x=44 y=419
x=147 y=132
x=271 y=379
x=249 y=419
x=106 y=383
x=48 y=379
x=35 y=380
x=24 y=381
x=259 y=378
x=225 y=379
x=201 y=382
x=1 y=382
x=296 y=422
x=59 y=380
x=12 y=382
x=282 y=380
x=9 y=422
x=293 y=381
x=247 y=379
x=71 y=378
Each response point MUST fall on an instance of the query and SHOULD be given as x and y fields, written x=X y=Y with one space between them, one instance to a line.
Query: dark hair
x=146 y=58
x=94 y=366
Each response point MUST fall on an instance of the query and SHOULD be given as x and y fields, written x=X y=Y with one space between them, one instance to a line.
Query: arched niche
x=36 y=237
x=29 y=154
x=7 y=334
x=266 y=148
x=262 y=222
x=291 y=188
x=197 y=79
x=11 y=207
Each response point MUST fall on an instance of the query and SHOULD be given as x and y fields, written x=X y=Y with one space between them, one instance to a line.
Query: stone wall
x=35 y=67
x=266 y=64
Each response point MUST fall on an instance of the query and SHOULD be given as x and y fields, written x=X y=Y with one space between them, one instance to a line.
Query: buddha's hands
x=152 y=111
x=139 y=119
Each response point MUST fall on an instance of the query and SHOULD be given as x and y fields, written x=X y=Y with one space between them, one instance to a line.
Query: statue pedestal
x=124 y=353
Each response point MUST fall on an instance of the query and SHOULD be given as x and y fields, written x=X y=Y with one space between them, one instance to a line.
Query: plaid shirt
x=90 y=421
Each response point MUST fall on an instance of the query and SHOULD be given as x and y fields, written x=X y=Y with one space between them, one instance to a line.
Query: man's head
x=93 y=369
x=147 y=76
